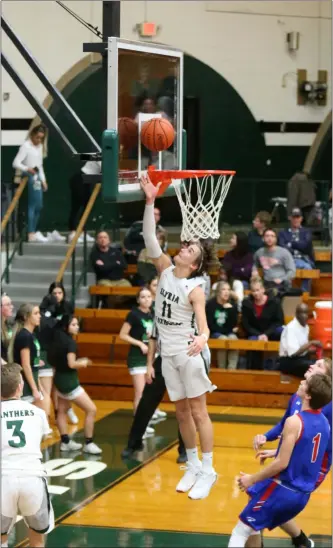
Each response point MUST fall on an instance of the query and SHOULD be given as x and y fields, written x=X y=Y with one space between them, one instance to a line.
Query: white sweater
x=30 y=156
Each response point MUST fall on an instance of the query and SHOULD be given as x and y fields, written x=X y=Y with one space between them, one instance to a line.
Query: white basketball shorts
x=28 y=497
x=185 y=376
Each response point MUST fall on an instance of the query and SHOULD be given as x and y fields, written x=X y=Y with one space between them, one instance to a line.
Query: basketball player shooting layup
x=183 y=334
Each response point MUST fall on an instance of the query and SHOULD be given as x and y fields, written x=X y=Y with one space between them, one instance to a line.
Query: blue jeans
x=35 y=201
x=304 y=265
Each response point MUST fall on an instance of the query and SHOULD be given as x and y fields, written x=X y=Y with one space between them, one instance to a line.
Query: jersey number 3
x=17 y=433
x=316 y=443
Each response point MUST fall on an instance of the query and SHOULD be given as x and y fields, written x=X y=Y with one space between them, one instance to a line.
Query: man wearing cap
x=298 y=240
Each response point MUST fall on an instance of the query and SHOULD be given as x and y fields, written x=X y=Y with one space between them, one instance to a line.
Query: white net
x=201 y=200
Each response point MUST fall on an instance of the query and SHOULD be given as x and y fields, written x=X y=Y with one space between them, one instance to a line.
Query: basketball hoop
x=200 y=199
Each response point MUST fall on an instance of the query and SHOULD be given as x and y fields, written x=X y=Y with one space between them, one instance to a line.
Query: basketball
x=128 y=132
x=157 y=134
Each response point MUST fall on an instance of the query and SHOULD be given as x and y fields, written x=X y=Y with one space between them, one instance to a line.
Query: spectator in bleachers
x=260 y=223
x=108 y=262
x=152 y=286
x=276 y=262
x=298 y=240
x=6 y=325
x=134 y=242
x=296 y=351
x=146 y=267
x=238 y=264
x=301 y=194
x=262 y=319
x=222 y=319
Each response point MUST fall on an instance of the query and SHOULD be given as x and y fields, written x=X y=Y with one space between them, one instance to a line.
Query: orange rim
x=165 y=176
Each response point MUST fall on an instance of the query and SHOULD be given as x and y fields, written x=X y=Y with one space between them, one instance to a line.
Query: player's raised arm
x=154 y=251
x=290 y=435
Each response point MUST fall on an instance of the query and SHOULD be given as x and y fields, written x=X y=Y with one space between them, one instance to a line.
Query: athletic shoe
x=40 y=238
x=149 y=432
x=203 y=485
x=182 y=458
x=128 y=452
x=55 y=236
x=189 y=478
x=70 y=446
x=73 y=419
x=159 y=415
x=92 y=448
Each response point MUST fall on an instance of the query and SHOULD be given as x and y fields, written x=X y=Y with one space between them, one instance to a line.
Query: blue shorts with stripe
x=271 y=505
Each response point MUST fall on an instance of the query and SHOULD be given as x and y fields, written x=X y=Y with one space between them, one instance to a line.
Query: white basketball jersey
x=23 y=426
x=174 y=314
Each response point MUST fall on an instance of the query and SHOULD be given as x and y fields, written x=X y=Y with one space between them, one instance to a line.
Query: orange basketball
x=128 y=132
x=157 y=134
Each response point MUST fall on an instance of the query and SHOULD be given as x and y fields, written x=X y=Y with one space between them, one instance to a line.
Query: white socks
x=193 y=458
x=240 y=534
x=207 y=460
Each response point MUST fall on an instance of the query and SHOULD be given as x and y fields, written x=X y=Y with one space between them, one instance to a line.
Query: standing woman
x=53 y=308
x=24 y=349
x=136 y=330
x=6 y=327
x=62 y=355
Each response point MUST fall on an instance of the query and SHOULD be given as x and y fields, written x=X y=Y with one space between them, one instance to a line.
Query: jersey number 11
x=166 y=310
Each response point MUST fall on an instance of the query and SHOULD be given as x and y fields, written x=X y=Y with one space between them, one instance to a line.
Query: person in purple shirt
x=238 y=262
x=324 y=367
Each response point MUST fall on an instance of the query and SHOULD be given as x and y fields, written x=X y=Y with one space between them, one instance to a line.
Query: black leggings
x=80 y=193
x=151 y=398
x=295 y=366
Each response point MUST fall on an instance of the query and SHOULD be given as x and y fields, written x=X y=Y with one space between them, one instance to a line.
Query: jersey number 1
x=17 y=433
x=316 y=443
x=166 y=310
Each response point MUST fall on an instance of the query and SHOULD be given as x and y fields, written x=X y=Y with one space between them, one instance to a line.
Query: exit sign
x=147 y=29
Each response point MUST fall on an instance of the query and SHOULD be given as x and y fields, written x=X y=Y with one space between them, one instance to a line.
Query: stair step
x=44 y=277
x=45 y=262
x=56 y=249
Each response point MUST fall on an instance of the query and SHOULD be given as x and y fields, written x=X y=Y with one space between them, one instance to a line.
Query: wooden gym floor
x=106 y=502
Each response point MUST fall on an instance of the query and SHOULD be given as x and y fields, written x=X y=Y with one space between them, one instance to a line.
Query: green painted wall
x=229 y=139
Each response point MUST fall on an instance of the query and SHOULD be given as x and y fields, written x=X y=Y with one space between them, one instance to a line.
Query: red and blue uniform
x=294 y=407
x=277 y=500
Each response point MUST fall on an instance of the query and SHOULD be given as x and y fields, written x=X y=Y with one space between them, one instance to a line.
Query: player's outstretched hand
x=244 y=481
x=258 y=441
x=148 y=188
x=266 y=454
x=196 y=346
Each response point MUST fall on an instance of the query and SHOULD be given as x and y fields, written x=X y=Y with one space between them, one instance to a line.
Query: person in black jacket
x=53 y=307
x=222 y=319
x=262 y=319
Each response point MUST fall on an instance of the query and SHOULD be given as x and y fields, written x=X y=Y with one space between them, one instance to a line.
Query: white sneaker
x=70 y=446
x=90 y=239
x=55 y=237
x=148 y=433
x=40 y=238
x=203 y=485
x=159 y=415
x=73 y=419
x=189 y=478
x=92 y=448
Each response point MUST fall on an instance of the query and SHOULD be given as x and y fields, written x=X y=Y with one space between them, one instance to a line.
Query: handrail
x=78 y=232
x=13 y=203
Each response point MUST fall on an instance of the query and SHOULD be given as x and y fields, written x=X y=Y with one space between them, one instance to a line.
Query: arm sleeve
x=22 y=341
x=289 y=266
x=149 y=233
x=276 y=431
x=18 y=162
x=304 y=244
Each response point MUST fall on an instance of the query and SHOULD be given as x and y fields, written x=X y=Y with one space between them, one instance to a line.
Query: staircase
x=32 y=273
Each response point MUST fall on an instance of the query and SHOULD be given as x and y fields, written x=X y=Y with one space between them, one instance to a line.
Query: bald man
x=296 y=351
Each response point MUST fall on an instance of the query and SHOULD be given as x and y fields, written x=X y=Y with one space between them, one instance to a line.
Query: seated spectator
x=134 y=242
x=260 y=223
x=234 y=295
x=262 y=319
x=146 y=267
x=276 y=262
x=6 y=325
x=298 y=241
x=222 y=319
x=238 y=264
x=296 y=351
x=108 y=262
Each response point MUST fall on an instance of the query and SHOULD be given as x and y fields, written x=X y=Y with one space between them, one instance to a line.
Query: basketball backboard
x=144 y=81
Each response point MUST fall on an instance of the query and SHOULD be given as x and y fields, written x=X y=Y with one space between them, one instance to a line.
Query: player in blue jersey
x=282 y=489
x=324 y=367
